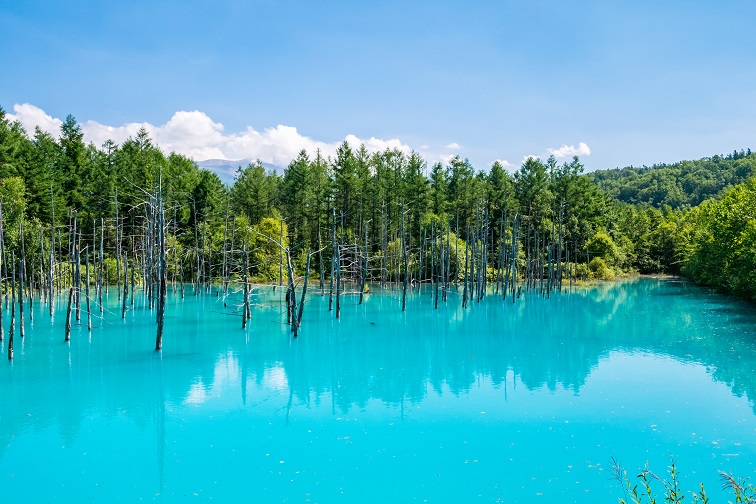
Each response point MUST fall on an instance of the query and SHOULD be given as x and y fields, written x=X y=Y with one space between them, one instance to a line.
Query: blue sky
x=637 y=82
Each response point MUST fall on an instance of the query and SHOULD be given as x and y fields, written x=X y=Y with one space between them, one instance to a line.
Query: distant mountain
x=226 y=168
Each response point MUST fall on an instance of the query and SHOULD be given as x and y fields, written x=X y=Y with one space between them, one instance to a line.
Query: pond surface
x=500 y=402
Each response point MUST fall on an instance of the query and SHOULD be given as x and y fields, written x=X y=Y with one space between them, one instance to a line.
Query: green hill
x=680 y=185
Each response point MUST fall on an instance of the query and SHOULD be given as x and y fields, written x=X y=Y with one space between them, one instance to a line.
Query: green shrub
x=600 y=270
x=601 y=245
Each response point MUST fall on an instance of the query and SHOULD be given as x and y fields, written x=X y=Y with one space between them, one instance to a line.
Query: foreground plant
x=642 y=491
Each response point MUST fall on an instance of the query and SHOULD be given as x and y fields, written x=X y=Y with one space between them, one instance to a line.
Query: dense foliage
x=721 y=251
x=45 y=180
x=679 y=185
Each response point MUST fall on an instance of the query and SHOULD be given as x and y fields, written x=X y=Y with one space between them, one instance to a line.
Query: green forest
x=680 y=185
x=693 y=218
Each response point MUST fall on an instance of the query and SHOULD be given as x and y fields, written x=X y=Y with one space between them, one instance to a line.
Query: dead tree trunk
x=333 y=258
x=291 y=297
x=384 y=247
x=68 y=313
x=2 y=277
x=406 y=267
x=21 y=297
x=89 y=309
x=338 y=281
x=51 y=293
x=280 y=255
x=364 y=266
x=420 y=262
x=304 y=292
x=245 y=305
x=225 y=258
x=42 y=287
x=433 y=258
x=514 y=256
x=29 y=277
x=133 y=274
x=125 y=286
x=320 y=261
x=12 y=328
x=447 y=262
x=102 y=264
x=439 y=270
x=51 y=281
x=118 y=249
x=196 y=245
x=77 y=271
x=467 y=254
x=456 y=252
x=559 y=251
x=162 y=271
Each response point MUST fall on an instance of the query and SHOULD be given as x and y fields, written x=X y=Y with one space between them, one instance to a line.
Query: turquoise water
x=496 y=403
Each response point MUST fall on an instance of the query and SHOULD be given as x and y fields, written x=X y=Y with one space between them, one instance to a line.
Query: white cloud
x=277 y=145
x=30 y=116
x=193 y=134
x=454 y=146
x=503 y=162
x=445 y=159
x=196 y=135
x=564 y=151
x=570 y=150
x=376 y=144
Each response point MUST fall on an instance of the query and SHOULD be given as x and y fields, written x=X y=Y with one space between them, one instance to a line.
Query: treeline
x=705 y=228
x=684 y=184
x=721 y=249
x=368 y=201
x=47 y=179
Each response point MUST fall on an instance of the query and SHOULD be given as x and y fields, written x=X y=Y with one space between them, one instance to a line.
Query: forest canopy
x=644 y=220
x=683 y=184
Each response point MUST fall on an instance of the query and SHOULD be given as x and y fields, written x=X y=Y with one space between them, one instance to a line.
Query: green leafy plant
x=642 y=491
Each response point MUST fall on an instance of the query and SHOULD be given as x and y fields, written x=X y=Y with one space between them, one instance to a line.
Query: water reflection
x=374 y=352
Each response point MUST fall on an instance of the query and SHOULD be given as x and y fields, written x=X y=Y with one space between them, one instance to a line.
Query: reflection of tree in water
x=547 y=343
x=375 y=352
